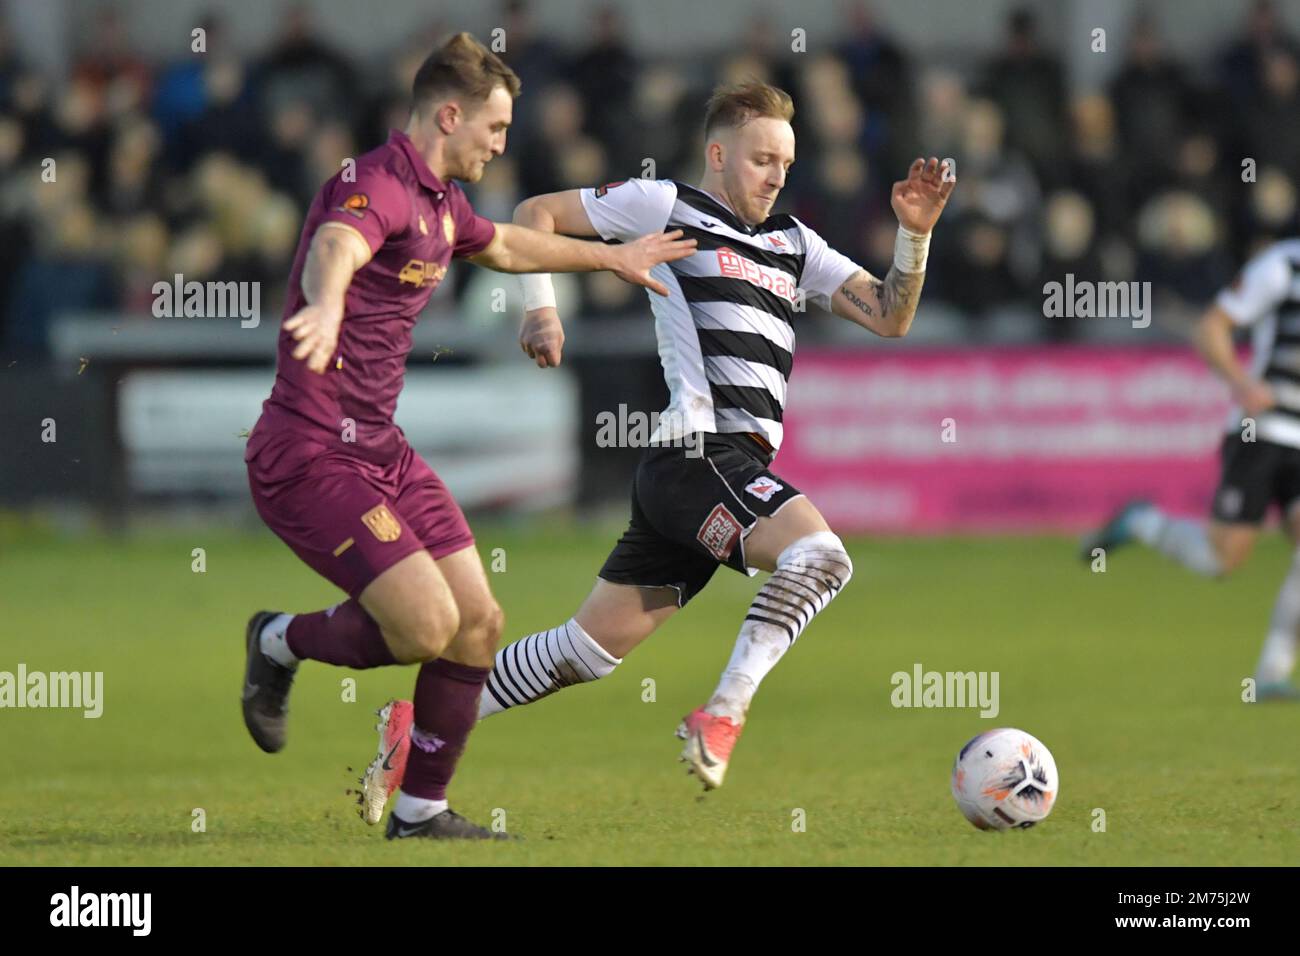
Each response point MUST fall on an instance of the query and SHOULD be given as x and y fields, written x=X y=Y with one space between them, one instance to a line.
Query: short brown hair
x=462 y=66
x=736 y=104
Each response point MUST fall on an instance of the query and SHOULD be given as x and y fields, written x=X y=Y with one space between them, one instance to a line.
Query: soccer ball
x=1005 y=778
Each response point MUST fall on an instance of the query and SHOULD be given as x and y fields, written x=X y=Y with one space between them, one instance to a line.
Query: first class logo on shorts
x=355 y=205
x=600 y=191
x=719 y=532
x=382 y=524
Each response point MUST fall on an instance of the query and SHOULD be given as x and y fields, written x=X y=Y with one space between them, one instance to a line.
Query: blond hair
x=735 y=104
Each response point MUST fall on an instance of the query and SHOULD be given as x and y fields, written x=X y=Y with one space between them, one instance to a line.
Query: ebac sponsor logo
x=731 y=265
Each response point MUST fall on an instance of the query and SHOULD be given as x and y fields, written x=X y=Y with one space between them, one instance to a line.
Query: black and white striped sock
x=809 y=573
x=540 y=664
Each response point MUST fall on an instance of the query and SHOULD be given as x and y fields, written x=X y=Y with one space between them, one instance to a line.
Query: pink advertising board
x=1000 y=439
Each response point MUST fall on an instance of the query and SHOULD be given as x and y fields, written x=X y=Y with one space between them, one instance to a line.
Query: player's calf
x=809 y=573
x=538 y=665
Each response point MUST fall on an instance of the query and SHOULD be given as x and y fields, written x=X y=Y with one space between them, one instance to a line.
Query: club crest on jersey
x=778 y=242
x=355 y=205
x=719 y=532
x=600 y=191
x=382 y=524
x=448 y=228
x=424 y=227
x=763 y=488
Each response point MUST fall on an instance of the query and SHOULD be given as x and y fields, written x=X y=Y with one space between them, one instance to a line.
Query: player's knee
x=823 y=557
x=485 y=626
x=431 y=631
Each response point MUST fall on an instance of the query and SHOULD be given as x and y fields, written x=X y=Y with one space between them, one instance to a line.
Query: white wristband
x=911 y=249
x=538 y=291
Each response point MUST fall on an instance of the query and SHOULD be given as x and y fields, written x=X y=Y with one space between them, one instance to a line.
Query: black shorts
x=1256 y=474
x=691 y=514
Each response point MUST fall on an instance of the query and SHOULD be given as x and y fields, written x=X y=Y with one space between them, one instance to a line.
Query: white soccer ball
x=1005 y=778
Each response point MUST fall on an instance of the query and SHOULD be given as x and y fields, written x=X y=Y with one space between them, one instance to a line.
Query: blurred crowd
x=205 y=165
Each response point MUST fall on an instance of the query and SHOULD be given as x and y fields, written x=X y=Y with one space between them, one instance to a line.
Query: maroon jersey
x=414 y=224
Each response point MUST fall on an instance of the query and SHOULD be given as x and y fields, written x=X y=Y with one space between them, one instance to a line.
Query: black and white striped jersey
x=1266 y=297
x=726 y=330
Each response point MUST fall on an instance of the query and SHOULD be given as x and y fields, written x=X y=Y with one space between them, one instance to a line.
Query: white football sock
x=1187 y=542
x=411 y=809
x=540 y=664
x=274 y=640
x=809 y=573
x=1277 y=659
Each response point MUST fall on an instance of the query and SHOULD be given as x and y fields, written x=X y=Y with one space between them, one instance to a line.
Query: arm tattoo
x=861 y=305
x=898 y=293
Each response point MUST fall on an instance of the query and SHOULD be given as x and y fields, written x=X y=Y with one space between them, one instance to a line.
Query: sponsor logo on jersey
x=355 y=205
x=600 y=191
x=734 y=266
x=719 y=532
x=763 y=488
x=382 y=524
x=419 y=273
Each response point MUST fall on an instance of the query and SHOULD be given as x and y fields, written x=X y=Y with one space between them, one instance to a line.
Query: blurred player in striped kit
x=704 y=494
x=1260 y=453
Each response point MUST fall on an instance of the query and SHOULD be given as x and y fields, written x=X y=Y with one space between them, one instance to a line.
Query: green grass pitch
x=1131 y=677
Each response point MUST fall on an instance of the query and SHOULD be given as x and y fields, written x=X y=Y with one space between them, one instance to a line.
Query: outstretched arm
x=336 y=253
x=517 y=248
x=541 y=335
x=887 y=306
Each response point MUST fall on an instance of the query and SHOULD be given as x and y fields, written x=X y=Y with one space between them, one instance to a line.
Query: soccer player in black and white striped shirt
x=1260 y=454
x=703 y=495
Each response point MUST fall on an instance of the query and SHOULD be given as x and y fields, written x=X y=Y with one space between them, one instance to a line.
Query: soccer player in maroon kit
x=331 y=473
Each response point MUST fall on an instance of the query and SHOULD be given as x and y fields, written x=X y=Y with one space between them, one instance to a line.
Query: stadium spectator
x=1028 y=86
x=882 y=82
x=1153 y=101
x=604 y=74
x=1241 y=66
x=203 y=159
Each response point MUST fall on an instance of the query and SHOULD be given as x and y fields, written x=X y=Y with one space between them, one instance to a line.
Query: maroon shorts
x=349 y=519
